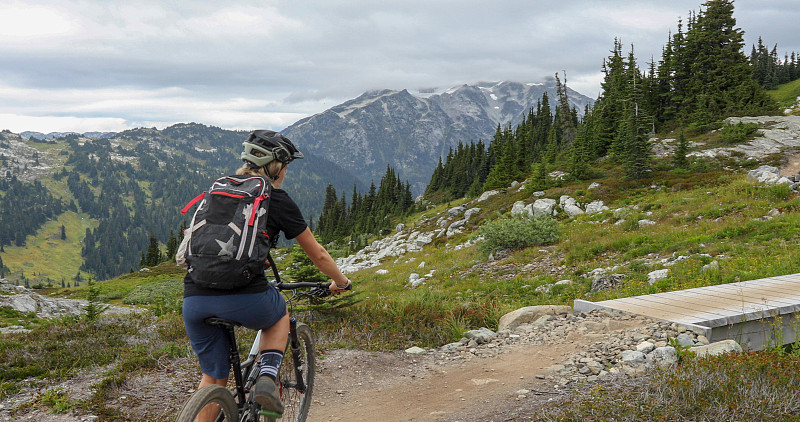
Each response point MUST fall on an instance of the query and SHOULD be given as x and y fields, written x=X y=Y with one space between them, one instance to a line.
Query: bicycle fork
x=294 y=344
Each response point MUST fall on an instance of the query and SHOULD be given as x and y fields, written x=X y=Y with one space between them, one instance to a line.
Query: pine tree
x=679 y=160
x=564 y=117
x=172 y=246
x=636 y=150
x=722 y=81
x=301 y=269
x=63 y=232
x=153 y=256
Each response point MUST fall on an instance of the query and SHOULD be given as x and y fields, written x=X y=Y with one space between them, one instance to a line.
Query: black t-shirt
x=283 y=216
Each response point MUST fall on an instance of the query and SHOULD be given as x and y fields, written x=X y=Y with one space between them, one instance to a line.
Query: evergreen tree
x=679 y=160
x=565 y=119
x=301 y=269
x=636 y=149
x=153 y=256
x=539 y=181
x=63 y=232
x=172 y=246
x=721 y=82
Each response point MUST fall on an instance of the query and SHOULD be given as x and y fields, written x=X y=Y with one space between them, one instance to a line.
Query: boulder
x=664 y=356
x=543 y=207
x=486 y=195
x=657 y=275
x=572 y=210
x=470 y=212
x=685 y=340
x=711 y=266
x=530 y=314
x=595 y=207
x=415 y=350
x=764 y=174
x=481 y=336
x=518 y=209
x=632 y=356
x=718 y=348
x=456 y=211
x=607 y=282
x=565 y=200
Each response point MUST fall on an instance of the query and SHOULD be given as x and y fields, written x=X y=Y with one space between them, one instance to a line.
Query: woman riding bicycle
x=257 y=305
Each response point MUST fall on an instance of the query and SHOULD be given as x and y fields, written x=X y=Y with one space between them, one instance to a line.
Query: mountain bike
x=295 y=379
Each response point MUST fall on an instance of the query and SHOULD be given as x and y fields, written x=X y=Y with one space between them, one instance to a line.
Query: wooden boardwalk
x=756 y=313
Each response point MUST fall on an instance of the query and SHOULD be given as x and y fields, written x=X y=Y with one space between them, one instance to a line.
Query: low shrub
x=754 y=386
x=739 y=132
x=517 y=233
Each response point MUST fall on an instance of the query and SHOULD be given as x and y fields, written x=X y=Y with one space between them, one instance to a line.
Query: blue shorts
x=256 y=311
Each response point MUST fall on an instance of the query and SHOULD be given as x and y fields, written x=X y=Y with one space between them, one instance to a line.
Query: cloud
x=262 y=63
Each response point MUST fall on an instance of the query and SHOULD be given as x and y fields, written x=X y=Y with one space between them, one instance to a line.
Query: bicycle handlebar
x=320 y=289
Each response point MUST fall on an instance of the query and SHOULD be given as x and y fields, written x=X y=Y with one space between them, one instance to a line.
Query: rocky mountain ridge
x=411 y=132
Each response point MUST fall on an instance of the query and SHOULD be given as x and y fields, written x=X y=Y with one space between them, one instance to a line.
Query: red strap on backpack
x=253 y=213
x=192 y=202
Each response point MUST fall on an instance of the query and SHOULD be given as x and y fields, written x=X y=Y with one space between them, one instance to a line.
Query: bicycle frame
x=248 y=369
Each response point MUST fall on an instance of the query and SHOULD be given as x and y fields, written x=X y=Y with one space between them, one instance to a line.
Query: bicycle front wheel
x=210 y=403
x=295 y=402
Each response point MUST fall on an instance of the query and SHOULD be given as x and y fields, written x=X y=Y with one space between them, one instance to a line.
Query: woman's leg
x=275 y=337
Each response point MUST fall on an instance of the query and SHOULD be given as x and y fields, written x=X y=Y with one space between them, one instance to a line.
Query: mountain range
x=410 y=132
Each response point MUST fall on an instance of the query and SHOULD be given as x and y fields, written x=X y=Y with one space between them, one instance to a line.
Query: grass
x=757 y=386
x=705 y=213
x=46 y=255
x=786 y=94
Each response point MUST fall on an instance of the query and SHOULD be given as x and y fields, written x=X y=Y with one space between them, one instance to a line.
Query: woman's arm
x=322 y=260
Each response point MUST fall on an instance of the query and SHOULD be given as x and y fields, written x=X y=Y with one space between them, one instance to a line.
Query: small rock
x=632 y=356
x=685 y=340
x=711 y=266
x=481 y=336
x=718 y=348
x=657 y=275
x=645 y=347
x=415 y=350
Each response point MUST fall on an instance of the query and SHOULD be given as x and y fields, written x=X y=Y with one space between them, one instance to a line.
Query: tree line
x=24 y=207
x=702 y=77
x=769 y=70
x=367 y=214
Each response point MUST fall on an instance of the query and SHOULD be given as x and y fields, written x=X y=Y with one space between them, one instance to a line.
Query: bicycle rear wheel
x=295 y=402
x=209 y=402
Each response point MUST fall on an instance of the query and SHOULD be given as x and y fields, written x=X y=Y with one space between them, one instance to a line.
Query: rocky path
x=502 y=379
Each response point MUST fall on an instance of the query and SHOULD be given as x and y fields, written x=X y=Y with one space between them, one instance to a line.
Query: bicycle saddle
x=222 y=322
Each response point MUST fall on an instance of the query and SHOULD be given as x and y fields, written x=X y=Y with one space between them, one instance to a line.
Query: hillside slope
x=681 y=221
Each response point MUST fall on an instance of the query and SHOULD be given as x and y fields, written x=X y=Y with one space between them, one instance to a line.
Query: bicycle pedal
x=273 y=415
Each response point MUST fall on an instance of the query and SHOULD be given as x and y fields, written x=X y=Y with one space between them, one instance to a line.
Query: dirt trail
x=394 y=387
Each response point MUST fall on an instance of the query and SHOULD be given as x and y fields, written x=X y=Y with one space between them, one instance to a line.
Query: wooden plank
x=731 y=302
x=717 y=303
x=680 y=295
x=644 y=302
x=789 y=296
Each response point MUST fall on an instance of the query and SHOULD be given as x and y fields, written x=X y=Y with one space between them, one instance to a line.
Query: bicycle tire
x=295 y=403
x=209 y=396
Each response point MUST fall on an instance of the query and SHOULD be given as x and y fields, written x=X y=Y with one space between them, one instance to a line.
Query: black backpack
x=226 y=244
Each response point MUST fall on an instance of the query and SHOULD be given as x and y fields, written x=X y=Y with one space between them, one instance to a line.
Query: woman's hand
x=336 y=289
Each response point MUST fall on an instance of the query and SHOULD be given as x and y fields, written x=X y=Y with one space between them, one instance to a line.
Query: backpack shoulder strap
x=274 y=268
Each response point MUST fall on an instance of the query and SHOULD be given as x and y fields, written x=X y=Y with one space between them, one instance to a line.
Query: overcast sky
x=109 y=65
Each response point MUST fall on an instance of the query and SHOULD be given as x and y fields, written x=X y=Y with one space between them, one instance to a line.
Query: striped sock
x=270 y=362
